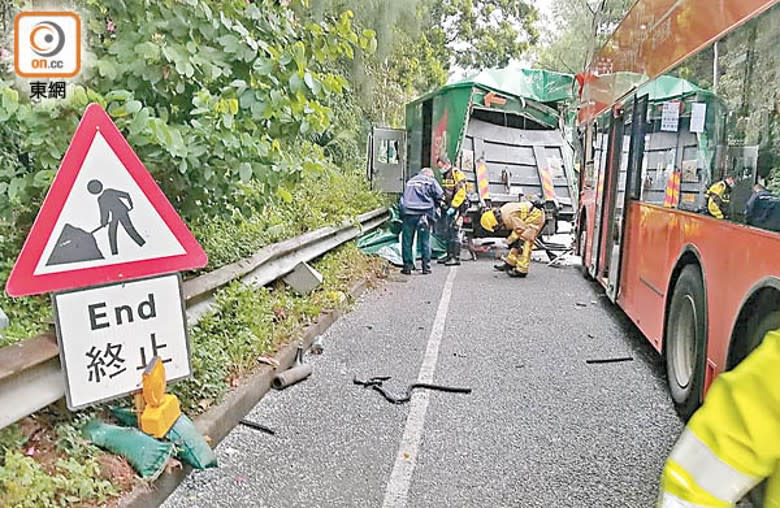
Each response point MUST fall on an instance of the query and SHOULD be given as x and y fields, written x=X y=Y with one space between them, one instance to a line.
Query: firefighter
x=455 y=201
x=731 y=443
x=526 y=220
x=719 y=197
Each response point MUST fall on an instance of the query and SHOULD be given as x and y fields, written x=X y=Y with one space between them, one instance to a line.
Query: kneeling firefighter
x=733 y=441
x=526 y=220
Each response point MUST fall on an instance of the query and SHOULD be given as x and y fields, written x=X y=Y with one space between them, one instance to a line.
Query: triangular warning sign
x=104 y=220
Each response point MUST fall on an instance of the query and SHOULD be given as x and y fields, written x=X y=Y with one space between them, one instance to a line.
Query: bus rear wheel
x=685 y=343
x=759 y=324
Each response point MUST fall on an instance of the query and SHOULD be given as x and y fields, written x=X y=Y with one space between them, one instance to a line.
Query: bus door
x=611 y=174
x=631 y=150
x=601 y=143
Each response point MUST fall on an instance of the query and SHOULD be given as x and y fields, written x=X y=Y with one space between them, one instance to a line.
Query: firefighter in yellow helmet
x=719 y=197
x=733 y=441
x=454 y=183
x=526 y=220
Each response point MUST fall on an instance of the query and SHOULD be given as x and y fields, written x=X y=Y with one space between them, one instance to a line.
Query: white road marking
x=397 y=489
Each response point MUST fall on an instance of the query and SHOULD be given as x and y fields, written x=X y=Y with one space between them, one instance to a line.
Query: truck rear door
x=516 y=158
x=387 y=159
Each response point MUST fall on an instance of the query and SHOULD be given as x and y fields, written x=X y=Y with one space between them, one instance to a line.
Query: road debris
x=298 y=372
x=581 y=304
x=376 y=384
x=317 y=346
x=611 y=360
x=256 y=426
x=273 y=362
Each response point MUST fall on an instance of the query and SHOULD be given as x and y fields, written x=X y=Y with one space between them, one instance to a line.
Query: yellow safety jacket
x=718 y=199
x=454 y=183
x=523 y=219
x=733 y=441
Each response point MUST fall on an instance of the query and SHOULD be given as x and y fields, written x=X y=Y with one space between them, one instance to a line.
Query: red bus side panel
x=734 y=259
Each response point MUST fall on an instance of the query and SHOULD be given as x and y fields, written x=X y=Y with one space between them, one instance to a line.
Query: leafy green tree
x=420 y=41
x=211 y=94
x=576 y=31
x=479 y=34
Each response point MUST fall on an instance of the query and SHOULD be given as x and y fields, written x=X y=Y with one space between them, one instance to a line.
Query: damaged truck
x=506 y=129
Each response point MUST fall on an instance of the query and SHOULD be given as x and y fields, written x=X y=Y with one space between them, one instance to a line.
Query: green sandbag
x=125 y=415
x=190 y=445
x=147 y=455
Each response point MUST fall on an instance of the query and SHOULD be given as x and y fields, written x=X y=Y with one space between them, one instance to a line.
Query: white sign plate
x=670 y=116
x=108 y=335
x=698 y=117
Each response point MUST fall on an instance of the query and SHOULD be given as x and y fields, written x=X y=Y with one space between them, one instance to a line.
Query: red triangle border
x=23 y=282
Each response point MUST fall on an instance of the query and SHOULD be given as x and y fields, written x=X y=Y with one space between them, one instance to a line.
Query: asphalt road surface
x=541 y=427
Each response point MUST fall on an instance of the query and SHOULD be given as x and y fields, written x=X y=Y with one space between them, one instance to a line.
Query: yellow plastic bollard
x=161 y=410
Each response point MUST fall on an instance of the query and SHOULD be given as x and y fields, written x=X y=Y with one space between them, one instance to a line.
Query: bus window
x=660 y=156
x=734 y=129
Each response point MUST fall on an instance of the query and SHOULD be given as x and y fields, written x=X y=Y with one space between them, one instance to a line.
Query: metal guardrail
x=30 y=373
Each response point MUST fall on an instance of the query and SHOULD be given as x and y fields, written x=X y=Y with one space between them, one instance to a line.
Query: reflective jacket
x=733 y=441
x=421 y=194
x=718 y=199
x=454 y=183
x=523 y=219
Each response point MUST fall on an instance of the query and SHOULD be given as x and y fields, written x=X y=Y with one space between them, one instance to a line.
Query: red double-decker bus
x=685 y=94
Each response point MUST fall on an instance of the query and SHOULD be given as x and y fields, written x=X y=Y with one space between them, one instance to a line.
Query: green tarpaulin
x=670 y=87
x=385 y=242
x=535 y=84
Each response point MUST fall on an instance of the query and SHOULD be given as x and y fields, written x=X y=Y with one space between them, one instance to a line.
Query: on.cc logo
x=47 y=39
x=47 y=44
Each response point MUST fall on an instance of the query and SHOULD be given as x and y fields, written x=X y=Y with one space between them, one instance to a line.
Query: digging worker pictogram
x=115 y=206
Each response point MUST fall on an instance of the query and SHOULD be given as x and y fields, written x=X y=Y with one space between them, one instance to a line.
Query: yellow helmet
x=489 y=221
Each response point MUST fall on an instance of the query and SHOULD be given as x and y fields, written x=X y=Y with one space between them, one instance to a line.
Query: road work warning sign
x=104 y=220
x=103 y=231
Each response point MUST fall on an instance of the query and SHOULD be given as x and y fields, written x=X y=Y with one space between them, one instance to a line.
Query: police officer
x=733 y=441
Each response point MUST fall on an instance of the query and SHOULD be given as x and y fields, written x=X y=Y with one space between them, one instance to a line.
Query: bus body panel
x=733 y=261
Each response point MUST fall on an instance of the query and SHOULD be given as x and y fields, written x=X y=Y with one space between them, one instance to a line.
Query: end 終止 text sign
x=109 y=334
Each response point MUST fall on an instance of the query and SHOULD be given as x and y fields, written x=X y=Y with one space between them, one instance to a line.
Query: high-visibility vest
x=733 y=441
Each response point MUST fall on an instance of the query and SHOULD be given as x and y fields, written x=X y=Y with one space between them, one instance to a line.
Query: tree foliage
x=419 y=43
x=575 y=32
x=480 y=34
x=210 y=93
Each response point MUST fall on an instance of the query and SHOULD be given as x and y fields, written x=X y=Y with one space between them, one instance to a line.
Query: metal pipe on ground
x=291 y=376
